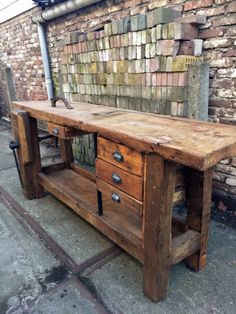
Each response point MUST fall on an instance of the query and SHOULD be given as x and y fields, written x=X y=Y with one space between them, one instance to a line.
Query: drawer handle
x=115 y=197
x=55 y=131
x=116 y=178
x=118 y=157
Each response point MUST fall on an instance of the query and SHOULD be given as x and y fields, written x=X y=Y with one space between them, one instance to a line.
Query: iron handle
x=13 y=146
x=118 y=156
x=116 y=179
x=115 y=197
x=55 y=131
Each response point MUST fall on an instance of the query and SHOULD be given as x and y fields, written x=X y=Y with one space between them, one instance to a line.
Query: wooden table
x=145 y=164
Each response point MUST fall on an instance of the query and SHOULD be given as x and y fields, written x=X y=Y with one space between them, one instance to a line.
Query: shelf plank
x=79 y=193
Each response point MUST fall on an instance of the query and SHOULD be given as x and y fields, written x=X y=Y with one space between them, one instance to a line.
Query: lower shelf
x=80 y=194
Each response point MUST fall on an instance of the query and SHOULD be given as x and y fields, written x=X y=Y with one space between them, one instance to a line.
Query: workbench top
x=192 y=143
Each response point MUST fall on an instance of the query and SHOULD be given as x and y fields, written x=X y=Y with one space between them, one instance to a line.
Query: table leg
x=36 y=165
x=198 y=196
x=66 y=151
x=158 y=201
x=25 y=133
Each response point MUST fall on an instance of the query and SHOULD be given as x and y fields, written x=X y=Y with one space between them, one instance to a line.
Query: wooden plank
x=79 y=194
x=184 y=245
x=193 y=143
x=127 y=201
x=179 y=222
x=130 y=183
x=198 y=195
x=132 y=161
x=158 y=200
x=53 y=167
x=66 y=151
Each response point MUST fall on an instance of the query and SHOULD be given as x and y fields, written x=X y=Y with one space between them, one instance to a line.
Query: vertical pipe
x=45 y=57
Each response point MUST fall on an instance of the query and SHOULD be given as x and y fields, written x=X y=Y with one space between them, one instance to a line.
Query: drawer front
x=119 y=198
x=124 y=215
x=120 y=156
x=62 y=132
x=122 y=180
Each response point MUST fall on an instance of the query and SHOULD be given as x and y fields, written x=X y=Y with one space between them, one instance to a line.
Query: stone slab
x=119 y=282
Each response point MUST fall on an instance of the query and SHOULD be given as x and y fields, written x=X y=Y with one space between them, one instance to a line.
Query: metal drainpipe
x=45 y=57
x=48 y=15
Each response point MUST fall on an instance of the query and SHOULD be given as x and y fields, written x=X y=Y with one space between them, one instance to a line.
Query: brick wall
x=21 y=52
x=219 y=35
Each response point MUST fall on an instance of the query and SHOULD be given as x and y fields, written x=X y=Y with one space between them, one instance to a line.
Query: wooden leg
x=198 y=196
x=25 y=133
x=39 y=191
x=66 y=151
x=158 y=200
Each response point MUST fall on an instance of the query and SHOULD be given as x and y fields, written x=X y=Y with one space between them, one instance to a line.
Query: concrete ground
x=51 y=261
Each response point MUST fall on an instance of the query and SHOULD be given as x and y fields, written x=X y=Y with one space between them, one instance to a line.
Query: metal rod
x=18 y=168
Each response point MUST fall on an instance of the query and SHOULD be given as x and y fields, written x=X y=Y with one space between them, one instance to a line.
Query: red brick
x=197 y=4
x=230 y=53
x=175 y=80
x=169 y=79
x=231 y=7
x=163 y=79
x=154 y=79
x=158 y=79
x=183 y=78
x=211 y=33
x=169 y=47
x=148 y=79
x=132 y=3
x=154 y=65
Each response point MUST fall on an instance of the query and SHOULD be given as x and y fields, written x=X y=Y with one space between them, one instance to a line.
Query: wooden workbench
x=145 y=164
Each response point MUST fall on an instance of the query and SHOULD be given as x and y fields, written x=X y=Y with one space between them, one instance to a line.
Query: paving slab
x=6 y=156
x=119 y=282
x=24 y=263
x=69 y=297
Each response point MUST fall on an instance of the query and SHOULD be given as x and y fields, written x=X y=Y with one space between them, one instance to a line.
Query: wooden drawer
x=62 y=131
x=119 y=198
x=122 y=211
x=124 y=181
x=120 y=156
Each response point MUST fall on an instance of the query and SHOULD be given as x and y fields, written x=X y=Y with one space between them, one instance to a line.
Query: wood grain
x=184 y=245
x=66 y=151
x=158 y=201
x=63 y=132
x=130 y=184
x=192 y=143
x=132 y=160
x=198 y=195
x=79 y=194
x=129 y=203
x=26 y=170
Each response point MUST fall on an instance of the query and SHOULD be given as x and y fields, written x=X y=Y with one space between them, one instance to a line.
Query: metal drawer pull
x=55 y=131
x=116 y=178
x=115 y=197
x=118 y=157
